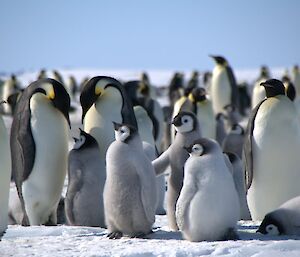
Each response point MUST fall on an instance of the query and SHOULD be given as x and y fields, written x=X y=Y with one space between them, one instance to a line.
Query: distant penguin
x=5 y=175
x=208 y=206
x=283 y=221
x=145 y=128
x=104 y=101
x=176 y=88
x=84 y=198
x=194 y=81
x=207 y=82
x=244 y=98
x=39 y=149
x=204 y=112
x=129 y=198
x=224 y=89
x=234 y=140
x=238 y=174
x=57 y=76
x=290 y=90
x=71 y=86
x=188 y=130
x=271 y=150
x=232 y=116
x=220 y=128
x=42 y=74
x=258 y=92
x=10 y=87
x=296 y=79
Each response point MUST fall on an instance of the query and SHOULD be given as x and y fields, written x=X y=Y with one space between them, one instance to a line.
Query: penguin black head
x=264 y=72
x=271 y=226
x=219 y=60
x=55 y=92
x=124 y=132
x=132 y=89
x=200 y=147
x=273 y=87
x=85 y=141
x=185 y=122
x=94 y=89
x=237 y=129
x=198 y=95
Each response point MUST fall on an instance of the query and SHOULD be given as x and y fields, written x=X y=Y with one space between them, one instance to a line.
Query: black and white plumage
x=224 y=89
x=84 y=198
x=285 y=220
x=234 y=140
x=5 y=175
x=271 y=150
x=208 y=206
x=104 y=101
x=188 y=129
x=129 y=192
x=39 y=149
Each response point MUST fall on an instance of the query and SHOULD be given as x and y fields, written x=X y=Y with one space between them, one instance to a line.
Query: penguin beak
x=117 y=125
x=61 y=100
x=89 y=96
x=3 y=102
x=177 y=121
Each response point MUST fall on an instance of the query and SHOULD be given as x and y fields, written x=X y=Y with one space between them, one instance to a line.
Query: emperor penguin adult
x=84 y=198
x=296 y=79
x=104 y=101
x=204 y=112
x=129 y=198
x=258 y=92
x=39 y=149
x=224 y=88
x=10 y=87
x=285 y=220
x=188 y=129
x=5 y=175
x=208 y=206
x=271 y=150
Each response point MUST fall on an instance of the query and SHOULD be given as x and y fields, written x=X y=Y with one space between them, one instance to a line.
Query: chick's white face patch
x=122 y=133
x=80 y=142
x=187 y=124
x=272 y=230
x=197 y=150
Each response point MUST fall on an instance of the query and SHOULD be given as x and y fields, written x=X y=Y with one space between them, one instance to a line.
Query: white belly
x=5 y=174
x=206 y=119
x=42 y=189
x=276 y=147
x=258 y=94
x=99 y=122
x=220 y=90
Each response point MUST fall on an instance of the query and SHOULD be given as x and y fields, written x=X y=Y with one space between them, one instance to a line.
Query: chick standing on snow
x=188 y=130
x=208 y=207
x=84 y=198
x=129 y=192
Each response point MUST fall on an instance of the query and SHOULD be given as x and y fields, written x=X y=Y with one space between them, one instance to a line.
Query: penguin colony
x=228 y=156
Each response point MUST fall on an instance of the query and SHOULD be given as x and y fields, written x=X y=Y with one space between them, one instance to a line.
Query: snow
x=65 y=240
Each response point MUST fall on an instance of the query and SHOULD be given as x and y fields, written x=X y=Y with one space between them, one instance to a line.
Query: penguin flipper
x=233 y=84
x=74 y=186
x=247 y=149
x=161 y=163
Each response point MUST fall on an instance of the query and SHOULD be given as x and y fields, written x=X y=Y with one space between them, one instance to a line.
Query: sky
x=156 y=34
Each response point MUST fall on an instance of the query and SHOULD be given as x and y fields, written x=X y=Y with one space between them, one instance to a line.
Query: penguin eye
x=185 y=120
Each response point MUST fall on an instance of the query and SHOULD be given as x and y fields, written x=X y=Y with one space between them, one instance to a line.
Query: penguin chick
x=84 y=198
x=188 y=129
x=234 y=141
x=238 y=174
x=39 y=149
x=129 y=192
x=208 y=206
x=283 y=221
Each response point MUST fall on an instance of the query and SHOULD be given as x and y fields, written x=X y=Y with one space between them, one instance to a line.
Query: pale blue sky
x=152 y=34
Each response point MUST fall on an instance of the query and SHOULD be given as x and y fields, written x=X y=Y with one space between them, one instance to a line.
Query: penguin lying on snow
x=188 y=130
x=208 y=206
x=283 y=221
x=39 y=149
x=84 y=199
x=129 y=192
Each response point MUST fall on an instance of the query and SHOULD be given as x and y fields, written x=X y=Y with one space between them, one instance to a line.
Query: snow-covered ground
x=83 y=241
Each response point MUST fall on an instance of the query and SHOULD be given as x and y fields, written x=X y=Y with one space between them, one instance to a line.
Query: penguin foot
x=142 y=235
x=231 y=234
x=115 y=235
